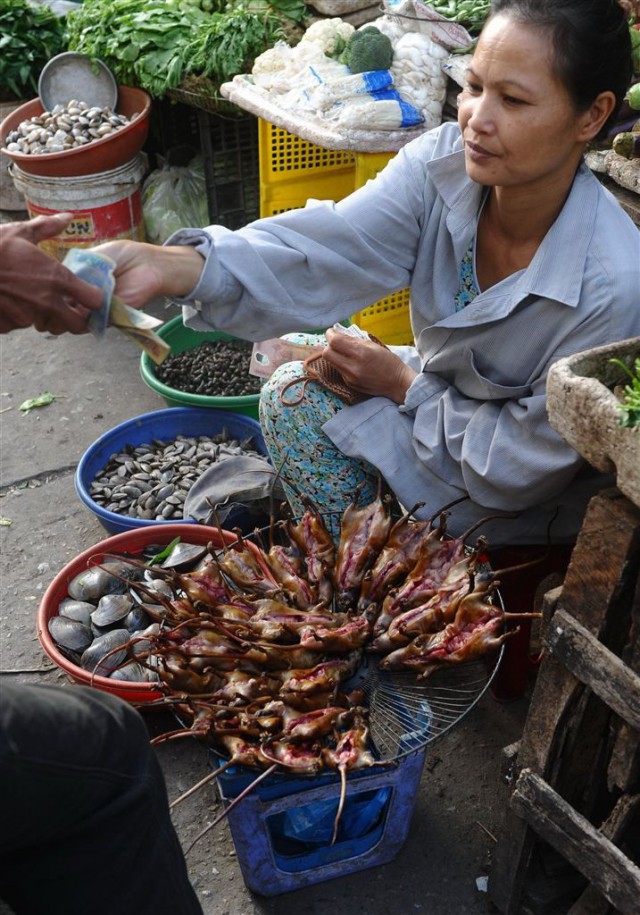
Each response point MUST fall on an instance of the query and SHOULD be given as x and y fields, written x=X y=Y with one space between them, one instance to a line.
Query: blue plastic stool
x=280 y=849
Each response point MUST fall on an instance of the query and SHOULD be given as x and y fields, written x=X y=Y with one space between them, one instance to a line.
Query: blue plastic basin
x=164 y=425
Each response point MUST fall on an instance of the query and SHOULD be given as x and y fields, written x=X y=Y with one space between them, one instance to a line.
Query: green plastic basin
x=181 y=338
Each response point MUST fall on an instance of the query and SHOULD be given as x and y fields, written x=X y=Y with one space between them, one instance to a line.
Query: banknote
x=135 y=324
x=269 y=354
x=97 y=270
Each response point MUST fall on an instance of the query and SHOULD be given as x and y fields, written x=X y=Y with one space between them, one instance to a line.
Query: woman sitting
x=515 y=256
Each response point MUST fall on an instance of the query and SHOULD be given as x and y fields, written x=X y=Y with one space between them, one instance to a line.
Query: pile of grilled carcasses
x=255 y=645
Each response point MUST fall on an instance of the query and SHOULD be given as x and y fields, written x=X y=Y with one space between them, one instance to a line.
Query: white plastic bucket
x=105 y=206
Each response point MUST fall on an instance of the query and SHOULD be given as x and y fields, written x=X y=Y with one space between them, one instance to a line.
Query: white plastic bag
x=175 y=197
x=418 y=16
x=418 y=76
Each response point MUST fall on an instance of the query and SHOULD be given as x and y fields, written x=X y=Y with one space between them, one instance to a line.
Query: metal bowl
x=67 y=74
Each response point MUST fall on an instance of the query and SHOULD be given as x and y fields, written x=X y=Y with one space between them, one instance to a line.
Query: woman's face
x=519 y=125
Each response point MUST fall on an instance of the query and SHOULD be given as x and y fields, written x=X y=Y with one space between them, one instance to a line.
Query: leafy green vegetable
x=29 y=37
x=294 y=9
x=230 y=44
x=42 y=400
x=164 y=553
x=155 y=44
x=630 y=404
x=471 y=14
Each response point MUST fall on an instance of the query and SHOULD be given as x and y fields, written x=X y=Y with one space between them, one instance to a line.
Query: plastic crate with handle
x=292 y=171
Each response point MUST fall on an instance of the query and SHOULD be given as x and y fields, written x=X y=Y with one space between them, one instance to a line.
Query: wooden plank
x=606 y=556
x=592 y=902
x=593 y=664
x=624 y=765
x=606 y=547
x=549 y=604
x=595 y=856
x=606 y=544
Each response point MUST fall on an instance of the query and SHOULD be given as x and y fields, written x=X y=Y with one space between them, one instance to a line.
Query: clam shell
x=138 y=618
x=92 y=658
x=131 y=673
x=142 y=642
x=79 y=610
x=95 y=582
x=158 y=587
x=184 y=556
x=112 y=608
x=70 y=633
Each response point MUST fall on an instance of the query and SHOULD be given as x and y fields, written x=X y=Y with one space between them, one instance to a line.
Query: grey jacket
x=474 y=420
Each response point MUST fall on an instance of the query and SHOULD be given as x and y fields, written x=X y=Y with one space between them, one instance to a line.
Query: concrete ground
x=461 y=800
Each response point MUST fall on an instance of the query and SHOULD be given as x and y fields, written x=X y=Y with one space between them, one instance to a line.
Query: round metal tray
x=71 y=75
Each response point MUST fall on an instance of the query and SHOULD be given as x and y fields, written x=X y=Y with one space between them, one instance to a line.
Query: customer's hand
x=368 y=367
x=143 y=272
x=35 y=289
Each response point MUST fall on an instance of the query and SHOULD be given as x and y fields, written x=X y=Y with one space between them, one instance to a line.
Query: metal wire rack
x=407 y=715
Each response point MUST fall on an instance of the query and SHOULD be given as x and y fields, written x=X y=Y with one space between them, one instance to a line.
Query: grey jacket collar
x=542 y=278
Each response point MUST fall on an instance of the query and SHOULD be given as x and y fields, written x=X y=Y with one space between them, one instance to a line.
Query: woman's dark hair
x=591 y=42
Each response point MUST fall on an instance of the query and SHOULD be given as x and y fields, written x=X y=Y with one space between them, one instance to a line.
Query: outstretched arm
x=144 y=272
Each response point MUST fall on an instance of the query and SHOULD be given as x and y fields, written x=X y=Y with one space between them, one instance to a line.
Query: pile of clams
x=63 y=128
x=109 y=604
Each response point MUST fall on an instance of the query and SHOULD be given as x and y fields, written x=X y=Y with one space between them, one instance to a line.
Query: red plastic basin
x=99 y=156
x=132 y=542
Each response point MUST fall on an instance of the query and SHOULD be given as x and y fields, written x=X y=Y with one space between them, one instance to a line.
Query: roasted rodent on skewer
x=257 y=671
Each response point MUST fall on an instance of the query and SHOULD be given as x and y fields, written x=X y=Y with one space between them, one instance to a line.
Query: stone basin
x=584 y=410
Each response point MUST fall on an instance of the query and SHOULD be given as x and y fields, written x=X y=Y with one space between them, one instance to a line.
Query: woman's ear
x=596 y=115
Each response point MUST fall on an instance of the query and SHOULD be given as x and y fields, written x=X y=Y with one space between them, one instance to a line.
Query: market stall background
x=226 y=76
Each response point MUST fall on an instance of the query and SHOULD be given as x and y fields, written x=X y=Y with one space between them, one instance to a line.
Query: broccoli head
x=368 y=49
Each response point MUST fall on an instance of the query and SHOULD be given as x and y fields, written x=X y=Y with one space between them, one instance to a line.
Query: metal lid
x=71 y=75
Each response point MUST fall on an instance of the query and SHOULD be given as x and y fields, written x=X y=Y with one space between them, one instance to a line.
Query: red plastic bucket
x=106 y=206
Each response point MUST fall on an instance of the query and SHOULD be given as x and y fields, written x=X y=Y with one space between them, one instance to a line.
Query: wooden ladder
x=571 y=839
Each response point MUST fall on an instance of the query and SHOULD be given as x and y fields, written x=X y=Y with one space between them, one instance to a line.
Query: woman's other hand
x=143 y=272
x=35 y=289
x=368 y=367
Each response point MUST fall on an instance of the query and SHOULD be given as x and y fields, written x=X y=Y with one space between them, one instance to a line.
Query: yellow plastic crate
x=292 y=170
x=369 y=164
x=276 y=198
x=388 y=319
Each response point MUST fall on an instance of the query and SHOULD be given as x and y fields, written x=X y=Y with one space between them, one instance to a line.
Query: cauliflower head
x=332 y=34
